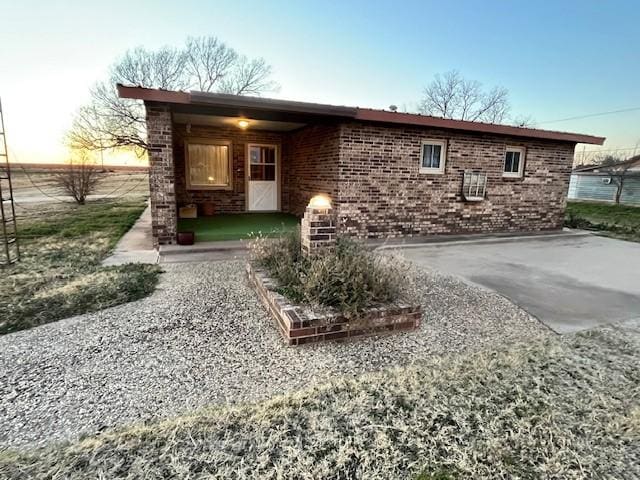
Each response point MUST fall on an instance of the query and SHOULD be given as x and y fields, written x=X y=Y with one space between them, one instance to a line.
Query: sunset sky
x=558 y=59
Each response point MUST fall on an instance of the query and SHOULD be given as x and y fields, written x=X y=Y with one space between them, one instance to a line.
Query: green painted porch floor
x=237 y=226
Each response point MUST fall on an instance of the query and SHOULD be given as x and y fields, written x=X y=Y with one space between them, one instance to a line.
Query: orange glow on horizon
x=122 y=157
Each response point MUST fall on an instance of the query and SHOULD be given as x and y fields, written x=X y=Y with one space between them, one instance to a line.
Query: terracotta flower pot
x=186 y=238
x=208 y=209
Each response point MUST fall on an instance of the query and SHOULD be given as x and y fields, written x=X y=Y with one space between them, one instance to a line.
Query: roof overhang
x=271 y=109
x=154 y=95
x=384 y=116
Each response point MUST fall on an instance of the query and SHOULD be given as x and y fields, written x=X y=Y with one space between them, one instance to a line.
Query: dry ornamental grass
x=555 y=409
x=349 y=278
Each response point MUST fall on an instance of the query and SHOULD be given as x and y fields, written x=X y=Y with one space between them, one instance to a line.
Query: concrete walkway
x=135 y=246
x=204 y=252
x=569 y=282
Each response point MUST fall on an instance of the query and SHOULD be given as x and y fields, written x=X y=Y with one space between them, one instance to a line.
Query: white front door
x=262 y=177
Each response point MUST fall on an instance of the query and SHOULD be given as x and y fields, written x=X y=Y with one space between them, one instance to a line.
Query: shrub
x=349 y=278
x=283 y=259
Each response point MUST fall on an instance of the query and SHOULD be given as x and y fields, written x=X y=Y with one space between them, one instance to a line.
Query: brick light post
x=318 y=227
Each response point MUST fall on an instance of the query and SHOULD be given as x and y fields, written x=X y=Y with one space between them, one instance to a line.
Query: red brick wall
x=382 y=193
x=308 y=166
x=312 y=155
x=161 y=174
x=372 y=174
x=225 y=201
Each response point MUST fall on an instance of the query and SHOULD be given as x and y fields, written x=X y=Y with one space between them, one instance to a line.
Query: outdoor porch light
x=320 y=201
x=243 y=123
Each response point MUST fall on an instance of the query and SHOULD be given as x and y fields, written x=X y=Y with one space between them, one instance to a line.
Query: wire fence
x=30 y=186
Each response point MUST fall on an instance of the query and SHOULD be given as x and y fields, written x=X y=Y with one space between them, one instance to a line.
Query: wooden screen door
x=262 y=178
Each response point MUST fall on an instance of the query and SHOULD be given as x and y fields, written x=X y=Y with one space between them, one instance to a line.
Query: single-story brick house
x=388 y=174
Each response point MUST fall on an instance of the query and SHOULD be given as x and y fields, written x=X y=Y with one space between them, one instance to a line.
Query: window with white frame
x=513 y=162
x=433 y=156
x=208 y=165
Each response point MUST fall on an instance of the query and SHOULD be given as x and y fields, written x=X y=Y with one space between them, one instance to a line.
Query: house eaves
x=277 y=106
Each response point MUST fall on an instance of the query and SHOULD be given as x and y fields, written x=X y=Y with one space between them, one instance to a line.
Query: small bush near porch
x=349 y=278
x=59 y=274
x=238 y=226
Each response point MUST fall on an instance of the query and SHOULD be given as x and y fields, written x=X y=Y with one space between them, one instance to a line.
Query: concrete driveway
x=569 y=282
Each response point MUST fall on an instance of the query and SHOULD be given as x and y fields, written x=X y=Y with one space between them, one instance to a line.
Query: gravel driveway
x=203 y=338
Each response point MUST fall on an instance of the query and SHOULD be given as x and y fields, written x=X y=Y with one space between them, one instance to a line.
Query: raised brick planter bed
x=299 y=326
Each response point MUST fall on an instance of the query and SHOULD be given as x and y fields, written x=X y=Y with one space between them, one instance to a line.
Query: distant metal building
x=591 y=183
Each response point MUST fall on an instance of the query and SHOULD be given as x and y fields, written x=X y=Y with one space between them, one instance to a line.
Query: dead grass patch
x=557 y=409
x=59 y=274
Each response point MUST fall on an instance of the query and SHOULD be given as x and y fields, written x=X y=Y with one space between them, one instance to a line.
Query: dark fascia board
x=259 y=103
x=220 y=100
x=371 y=115
x=153 y=95
x=235 y=101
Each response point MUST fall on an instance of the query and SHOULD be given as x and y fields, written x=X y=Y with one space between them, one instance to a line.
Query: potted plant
x=186 y=238
x=208 y=209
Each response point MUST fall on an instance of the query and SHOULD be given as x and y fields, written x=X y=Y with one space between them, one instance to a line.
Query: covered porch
x=238 y=226
x=225 y=167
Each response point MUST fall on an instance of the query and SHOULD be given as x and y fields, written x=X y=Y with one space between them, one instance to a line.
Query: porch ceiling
x=232 y=121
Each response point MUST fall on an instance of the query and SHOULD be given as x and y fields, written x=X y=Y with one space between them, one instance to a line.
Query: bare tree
x=442 y=96
x=248 y=77
x=452 y=96
x=469 y=95
x=618 y=170
x=108 y=122
x=208 y=62
x=163 y=68
x=618 y=177
x=79 y=179
x=204 y=63
x=608 y=160
x=524 y=121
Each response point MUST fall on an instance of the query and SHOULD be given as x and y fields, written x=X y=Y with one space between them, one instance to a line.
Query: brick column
x=162 y=180
x=317 y=230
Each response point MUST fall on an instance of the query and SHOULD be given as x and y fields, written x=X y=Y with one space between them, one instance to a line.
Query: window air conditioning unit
x=474 y=186
x=606 y=181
